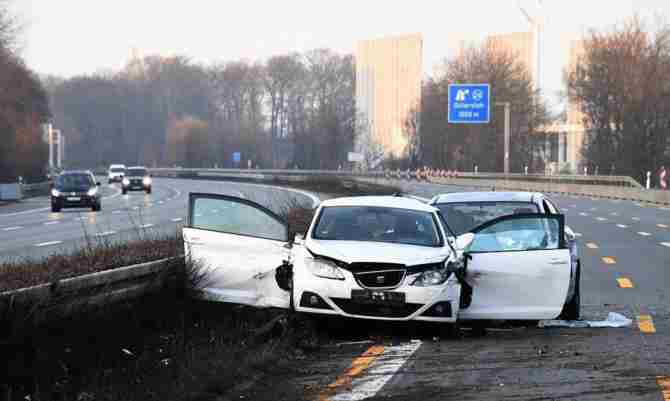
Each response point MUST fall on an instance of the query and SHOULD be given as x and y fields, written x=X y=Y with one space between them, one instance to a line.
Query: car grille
x=380 y=279
x=390 y=311
x=135 y=182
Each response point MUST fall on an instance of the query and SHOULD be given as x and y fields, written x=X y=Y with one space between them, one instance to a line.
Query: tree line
x=293 y=110
x=23 y=108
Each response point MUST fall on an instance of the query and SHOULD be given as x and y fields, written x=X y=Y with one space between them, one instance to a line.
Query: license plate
x=378 y=297
x=73 y=198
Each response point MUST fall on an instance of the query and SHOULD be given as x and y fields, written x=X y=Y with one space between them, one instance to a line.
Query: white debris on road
x=613 y=320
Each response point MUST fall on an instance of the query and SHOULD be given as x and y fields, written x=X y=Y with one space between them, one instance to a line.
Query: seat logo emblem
x=380 y=279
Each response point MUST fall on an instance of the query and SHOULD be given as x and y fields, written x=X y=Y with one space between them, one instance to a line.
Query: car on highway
x=75 y=189
x=380 y=257
x=137 y=178
x=116 y=173
x=464 y=211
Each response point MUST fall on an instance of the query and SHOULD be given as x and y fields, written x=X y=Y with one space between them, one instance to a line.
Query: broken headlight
x=324 y=268
x=432 y=277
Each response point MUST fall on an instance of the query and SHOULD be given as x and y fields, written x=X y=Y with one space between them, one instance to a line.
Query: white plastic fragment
x=614 y=320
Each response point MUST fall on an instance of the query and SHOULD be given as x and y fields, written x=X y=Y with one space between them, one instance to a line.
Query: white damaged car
x=385 y=258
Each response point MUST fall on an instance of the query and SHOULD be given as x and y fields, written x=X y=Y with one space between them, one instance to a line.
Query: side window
x=519 y=233
x=233 y=216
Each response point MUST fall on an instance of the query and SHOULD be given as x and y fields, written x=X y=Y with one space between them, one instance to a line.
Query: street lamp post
x=508 y=112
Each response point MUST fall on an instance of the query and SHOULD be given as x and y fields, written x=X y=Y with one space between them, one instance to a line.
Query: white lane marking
x=117 y=211
x=565 y=209
x=198 y=215
x=664 y=208
x=50 y=223
x=583 y=214
x=379 y=373
x=578 y=234
x=574 y=206
x=593 y=209
x=666 y=244
x=160 y=202
x=614 y=214
x=601 y=219
x=135 y=207
x=176 y=220
x=639 y=204
x=12 y=228
x=644 y=234
x=636 y=218
x=105 y=234
x=118 y=192
x=662 y=225
x=50 y=243
x=146 y=226
x=315 y=199
x=25 y=212
x=622 y=226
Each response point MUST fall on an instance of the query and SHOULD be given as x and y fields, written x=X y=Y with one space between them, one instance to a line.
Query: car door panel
x=238 y=245
x=518 y=273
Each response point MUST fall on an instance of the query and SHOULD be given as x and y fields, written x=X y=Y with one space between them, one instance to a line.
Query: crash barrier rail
x=10 y=192
x=611 y=187
x=63 y=298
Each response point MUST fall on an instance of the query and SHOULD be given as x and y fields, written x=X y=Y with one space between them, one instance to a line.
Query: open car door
x=241 y=247
x=519 y=268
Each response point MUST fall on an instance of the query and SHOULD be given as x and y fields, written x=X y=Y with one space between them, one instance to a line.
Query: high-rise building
x=388 y=89
x=522 y=45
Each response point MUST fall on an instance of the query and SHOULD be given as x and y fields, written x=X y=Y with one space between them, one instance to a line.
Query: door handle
x=558 y=262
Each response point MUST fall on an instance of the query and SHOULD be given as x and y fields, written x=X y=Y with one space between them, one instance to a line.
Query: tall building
x=388 y=89
x=522 y=45
x=575 y=129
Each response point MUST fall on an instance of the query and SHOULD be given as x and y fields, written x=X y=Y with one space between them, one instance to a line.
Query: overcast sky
x=69 y=37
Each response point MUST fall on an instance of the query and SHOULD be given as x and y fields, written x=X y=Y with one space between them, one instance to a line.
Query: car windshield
x=377 y=224
x=136 y=172
x=74 y=181
x=463 y=217
x=117 y=170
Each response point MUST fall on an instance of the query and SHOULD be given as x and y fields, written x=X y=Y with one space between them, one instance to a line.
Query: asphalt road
x=29 y=229
x=623 y=244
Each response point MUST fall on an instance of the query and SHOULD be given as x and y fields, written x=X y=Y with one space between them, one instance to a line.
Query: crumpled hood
x=376 y=252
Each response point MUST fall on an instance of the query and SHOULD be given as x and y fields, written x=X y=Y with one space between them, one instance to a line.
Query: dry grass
x=93 y=258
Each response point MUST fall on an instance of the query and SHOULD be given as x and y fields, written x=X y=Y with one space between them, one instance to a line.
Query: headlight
x=323 y=268
x=146 y=181
x=93 y=191
x=432 y=277
x=55 y=193
x=126 y=182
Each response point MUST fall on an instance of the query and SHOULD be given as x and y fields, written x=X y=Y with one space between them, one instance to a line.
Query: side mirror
x=299 y=239
x=464 y=241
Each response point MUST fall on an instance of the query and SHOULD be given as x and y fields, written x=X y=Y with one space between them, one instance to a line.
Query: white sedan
x=385 y=258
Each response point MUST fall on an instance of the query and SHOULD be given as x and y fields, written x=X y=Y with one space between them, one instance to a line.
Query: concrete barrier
x=10 y=192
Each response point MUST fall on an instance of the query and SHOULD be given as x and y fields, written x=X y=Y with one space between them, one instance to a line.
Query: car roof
x=135 y=167
x=117 y=165
x=487 y=196
x=68 y=172
x=397 y=202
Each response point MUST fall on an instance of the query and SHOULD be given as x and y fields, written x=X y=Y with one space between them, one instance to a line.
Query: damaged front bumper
x=348 y=299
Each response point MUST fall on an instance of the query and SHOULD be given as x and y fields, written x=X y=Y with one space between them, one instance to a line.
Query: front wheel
x=148 y=190
x=55 y=209
x=572 y=308
x=96 y=207
x=124 y=191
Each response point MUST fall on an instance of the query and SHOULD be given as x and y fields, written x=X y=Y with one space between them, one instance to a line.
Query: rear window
x=135 y=172
x=117 y=170
x=377 y=224
x=463 y=217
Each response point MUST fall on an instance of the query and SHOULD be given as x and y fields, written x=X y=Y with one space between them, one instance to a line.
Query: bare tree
x=621 y=86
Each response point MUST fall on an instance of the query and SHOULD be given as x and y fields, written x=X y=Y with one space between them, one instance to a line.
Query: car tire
x=96 y=207
x=572 y=308
x=149 y=191
x=109 y=182
x=124 y=191
x=55 y=209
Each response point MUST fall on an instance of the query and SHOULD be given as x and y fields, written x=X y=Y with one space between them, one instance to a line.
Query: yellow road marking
x=608 y=260
x=624 y=283
x=356 y=368
x=664 y=383
x=662 y=225
x=592 y=245
x=646 y=324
